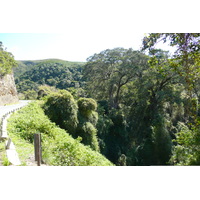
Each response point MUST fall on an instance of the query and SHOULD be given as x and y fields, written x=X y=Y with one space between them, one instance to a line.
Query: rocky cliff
x=8 y=92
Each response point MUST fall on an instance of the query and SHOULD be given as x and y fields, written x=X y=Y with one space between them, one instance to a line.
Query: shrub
x=88 y=133
x=58 y=147
x=79 y=119
x=87 y=105
x=62 y=109
x=87 y=121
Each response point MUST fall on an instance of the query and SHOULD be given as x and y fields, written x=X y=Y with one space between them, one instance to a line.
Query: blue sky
x=36 y=46
x=72 y=47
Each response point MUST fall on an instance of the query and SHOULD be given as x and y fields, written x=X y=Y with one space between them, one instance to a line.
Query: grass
x=24 y=148
x=59 y=148
x=3 y=158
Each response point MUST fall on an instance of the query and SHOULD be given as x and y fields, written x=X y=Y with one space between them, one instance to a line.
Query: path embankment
x=5 y=112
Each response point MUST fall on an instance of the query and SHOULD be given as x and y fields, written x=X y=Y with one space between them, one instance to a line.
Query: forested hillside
x=134 y=107
x=31 y=75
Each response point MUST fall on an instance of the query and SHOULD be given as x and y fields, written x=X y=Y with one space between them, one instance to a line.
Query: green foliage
x=88 y=134
x=87 y=104
x=45 y=90
x=62 y=109
x=77 y=92
x=187 y=151
x=142 y=101
x=132 y=93
x=56 y=73
x=58 y=147
x=144 y=123
x=185 y=60
x=113 y=135
x=185 y=64
x=87 y=122
x=7 y=62
x=3 y=158
x=162 y=141
x=87 y=108
x=110 y=70
x=79 y=119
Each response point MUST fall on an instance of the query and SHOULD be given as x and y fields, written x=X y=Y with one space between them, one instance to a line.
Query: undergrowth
x=58 y=147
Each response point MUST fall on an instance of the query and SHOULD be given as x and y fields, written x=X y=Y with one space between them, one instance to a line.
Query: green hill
x=61 y=74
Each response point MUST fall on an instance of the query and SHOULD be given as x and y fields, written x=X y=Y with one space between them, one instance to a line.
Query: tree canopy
x=186 y=64
x=7 y=61
x=110 y=70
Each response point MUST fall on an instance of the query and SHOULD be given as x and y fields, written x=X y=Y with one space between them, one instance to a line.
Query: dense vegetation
x=58 y=147
x=78 y=118
x=134 y=107
x=148 y=113
x=7 y=62
x=30 y=76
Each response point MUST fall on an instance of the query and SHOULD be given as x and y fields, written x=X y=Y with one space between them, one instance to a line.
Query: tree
x=88 y=118
x=78 y=118
x=110 y=70
x=186 y=59
x=62 y=109
x=185 y=63
x=7 y=61
x=149 y=121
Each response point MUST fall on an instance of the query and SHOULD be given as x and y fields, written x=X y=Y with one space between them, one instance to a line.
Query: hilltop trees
x=30 y=76
x=7 y=61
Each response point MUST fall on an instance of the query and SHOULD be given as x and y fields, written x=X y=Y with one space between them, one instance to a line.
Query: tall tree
x=149 y=129
x=110 y=70
x=185 y=62
x=186 y=59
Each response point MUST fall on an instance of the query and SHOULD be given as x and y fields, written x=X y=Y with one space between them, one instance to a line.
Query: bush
x=87 y=105
x=187 y=151
x=79 y=119
x=58 y=147
x=62 y=109
x=87 y=121
x=88 y=133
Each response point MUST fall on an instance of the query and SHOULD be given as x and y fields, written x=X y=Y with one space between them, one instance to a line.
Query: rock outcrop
x=8 y=92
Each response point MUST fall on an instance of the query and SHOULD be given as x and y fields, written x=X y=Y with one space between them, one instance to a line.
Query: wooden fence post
x=37 y=148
